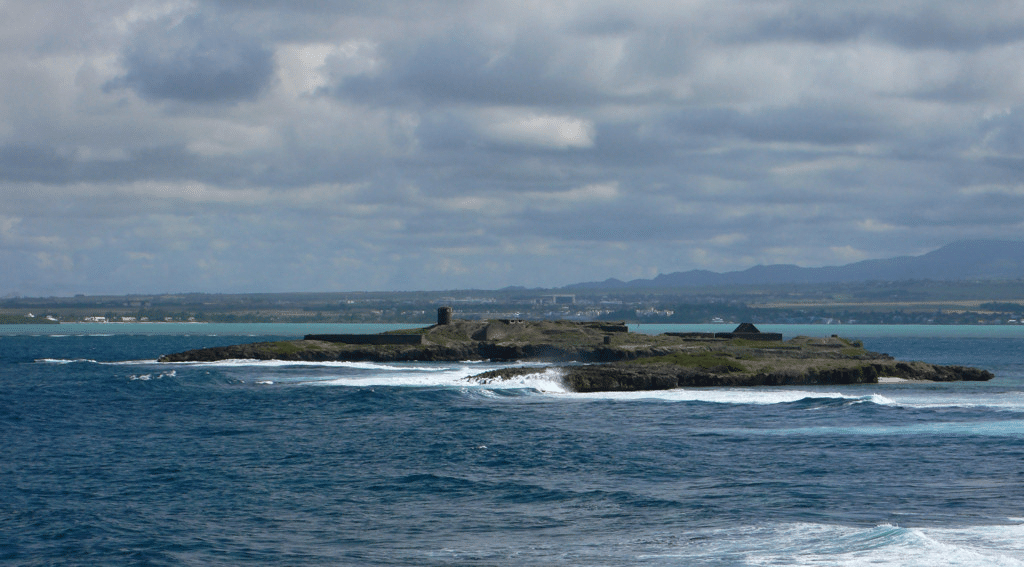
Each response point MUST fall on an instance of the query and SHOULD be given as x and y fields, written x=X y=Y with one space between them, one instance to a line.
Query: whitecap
x=147 y=377
x=547 y=380
x=242 y=362
x=400 y=377
x=63 y=360
x=802 y=544
x=458 y=375
x=1013 y=428
x=878 y=399
x=1006 y=401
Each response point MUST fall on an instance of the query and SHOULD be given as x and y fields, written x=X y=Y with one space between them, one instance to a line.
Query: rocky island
x=601 y=356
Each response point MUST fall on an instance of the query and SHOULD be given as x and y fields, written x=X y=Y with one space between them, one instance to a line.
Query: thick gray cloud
x=217 y=145
x=914 y=25
x=196 y=59
x=460 y=68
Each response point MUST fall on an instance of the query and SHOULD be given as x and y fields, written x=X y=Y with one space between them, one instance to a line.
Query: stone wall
x=692 y=335
x=750 y=336
x=619 y=327
x=369 y=339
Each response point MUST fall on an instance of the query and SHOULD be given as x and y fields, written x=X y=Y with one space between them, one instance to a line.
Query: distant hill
x=967 y=260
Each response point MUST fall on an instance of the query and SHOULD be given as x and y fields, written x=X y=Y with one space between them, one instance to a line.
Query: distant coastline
x=26 y=320
x=965 y=283
x=891 y=303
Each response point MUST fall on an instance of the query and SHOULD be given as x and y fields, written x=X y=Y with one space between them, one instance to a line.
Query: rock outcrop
x=602 y=356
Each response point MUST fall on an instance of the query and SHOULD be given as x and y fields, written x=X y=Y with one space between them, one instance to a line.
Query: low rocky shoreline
x=617 y=377
x=607 y=357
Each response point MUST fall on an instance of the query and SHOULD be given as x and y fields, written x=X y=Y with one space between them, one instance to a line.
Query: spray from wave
x=884 y=544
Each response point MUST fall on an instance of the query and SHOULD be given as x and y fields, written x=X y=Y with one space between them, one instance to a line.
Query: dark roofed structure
x=746 y=328
x=750 y=332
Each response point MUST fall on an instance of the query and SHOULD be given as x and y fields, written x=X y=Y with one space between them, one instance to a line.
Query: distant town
x=906 y=302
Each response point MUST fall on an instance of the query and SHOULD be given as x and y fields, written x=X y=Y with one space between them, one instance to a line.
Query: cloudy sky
x=265 y=145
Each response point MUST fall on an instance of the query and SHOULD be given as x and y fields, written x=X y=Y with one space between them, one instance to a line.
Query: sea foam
x=884 y=544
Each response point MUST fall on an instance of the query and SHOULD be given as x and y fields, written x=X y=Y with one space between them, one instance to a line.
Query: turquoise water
x=236 y=329
x=853 y=331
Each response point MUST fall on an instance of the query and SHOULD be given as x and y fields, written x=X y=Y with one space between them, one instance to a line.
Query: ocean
x=111 y=458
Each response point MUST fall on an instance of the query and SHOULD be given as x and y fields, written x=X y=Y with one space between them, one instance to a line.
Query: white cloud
x=989 y=189
x=306 y=67
x=48 y=260
x=873 y=225
x=728 y=239
x=579 y=195
x=7 y=225
x=225 y=137
x=501 y=204
x=532 y=129
x=848 y=254
x=821 y=165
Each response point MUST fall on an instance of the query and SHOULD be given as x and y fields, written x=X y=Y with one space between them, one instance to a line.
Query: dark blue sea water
x=110 y=458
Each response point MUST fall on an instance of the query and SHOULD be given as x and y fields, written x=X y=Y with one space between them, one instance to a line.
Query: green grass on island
x=706 y=361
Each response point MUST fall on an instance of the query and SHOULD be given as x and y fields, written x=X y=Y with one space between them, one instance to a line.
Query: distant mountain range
x=967 y=260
